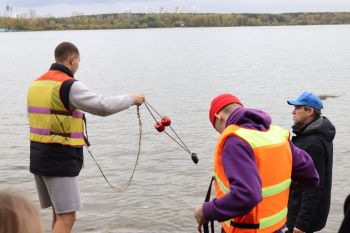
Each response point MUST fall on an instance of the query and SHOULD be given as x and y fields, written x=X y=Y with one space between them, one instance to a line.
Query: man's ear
x=218 y=116
x=310 y=111
x=71 y=60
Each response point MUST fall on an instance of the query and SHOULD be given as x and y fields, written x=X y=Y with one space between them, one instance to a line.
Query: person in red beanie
x=253 y=167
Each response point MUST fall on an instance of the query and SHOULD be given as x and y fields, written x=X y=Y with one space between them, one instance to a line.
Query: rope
x=127 y=184
x=150 y=112
x=188 y=150
x=147 y=103
x=182 y=144
x=176 y=141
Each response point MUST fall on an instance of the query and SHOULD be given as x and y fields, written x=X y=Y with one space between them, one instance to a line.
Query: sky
x=66 y=7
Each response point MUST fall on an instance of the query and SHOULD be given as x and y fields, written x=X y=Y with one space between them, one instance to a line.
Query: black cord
x=182 y=144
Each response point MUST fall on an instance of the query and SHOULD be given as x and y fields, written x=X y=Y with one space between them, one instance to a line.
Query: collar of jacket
x=297 y=129
x=62 y=68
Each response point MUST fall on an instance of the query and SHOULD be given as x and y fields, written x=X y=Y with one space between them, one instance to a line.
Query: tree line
x=138 y=20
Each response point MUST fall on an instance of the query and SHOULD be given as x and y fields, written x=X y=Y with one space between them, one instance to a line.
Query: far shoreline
x=171 y=20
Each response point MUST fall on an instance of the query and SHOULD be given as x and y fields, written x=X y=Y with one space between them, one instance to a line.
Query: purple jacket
x=239 y=166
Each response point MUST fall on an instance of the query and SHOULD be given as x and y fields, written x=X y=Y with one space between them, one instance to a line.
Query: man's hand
x=296 y=230
x=139 y=99
x=198 y=214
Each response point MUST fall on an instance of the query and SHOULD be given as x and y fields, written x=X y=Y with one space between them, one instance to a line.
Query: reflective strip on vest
x=273 y=136
x=277 y=188
x=48 y=132
x=42 y=110
x=269 y=221
x=223 y=188
x=266 y=192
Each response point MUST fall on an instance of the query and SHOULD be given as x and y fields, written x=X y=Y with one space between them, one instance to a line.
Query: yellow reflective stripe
x=223 y=188
x=277 y=188
x=228 y=223
x=256 y=138
x=57 y=139
x=266 y=192
x=269 y=221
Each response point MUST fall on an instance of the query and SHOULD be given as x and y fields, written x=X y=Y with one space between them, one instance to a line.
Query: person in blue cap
x=345 y=225
x=308 y=209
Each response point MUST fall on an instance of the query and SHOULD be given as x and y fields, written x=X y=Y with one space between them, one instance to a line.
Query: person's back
x=308 y=210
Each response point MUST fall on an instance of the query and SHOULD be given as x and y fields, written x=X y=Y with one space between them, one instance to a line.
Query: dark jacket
x=308 y=210
x=345 y=226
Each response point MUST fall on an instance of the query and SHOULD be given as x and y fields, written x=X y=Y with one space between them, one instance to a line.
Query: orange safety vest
x=274 y=163
x=49 y=120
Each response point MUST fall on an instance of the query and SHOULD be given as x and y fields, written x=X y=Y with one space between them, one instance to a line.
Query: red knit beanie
x=219 y=103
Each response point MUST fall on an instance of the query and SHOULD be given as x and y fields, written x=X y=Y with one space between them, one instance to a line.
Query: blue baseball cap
x=307 y=99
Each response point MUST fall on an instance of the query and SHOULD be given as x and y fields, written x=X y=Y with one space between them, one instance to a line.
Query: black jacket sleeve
x=345 y=226
x=311 y=197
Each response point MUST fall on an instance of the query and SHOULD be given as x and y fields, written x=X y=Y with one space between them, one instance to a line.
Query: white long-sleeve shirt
x=80 y=97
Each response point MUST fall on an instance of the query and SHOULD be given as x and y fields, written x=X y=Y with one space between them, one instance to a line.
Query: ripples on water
x=180 y=71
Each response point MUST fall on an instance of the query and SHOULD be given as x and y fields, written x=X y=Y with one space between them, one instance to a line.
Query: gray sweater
x=80 y=97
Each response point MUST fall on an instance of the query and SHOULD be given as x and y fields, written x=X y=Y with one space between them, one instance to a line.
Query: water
x=180 y=71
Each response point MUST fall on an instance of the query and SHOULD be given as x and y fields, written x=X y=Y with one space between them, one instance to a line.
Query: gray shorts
x=60 y=192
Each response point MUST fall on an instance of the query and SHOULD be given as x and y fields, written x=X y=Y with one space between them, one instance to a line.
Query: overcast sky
x=66 y=7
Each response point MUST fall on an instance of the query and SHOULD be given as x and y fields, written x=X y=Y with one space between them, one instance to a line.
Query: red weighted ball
x=166 y=121
x=159 y=126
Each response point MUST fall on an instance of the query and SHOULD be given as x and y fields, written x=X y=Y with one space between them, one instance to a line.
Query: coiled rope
x=149 y=107
x=126 y=185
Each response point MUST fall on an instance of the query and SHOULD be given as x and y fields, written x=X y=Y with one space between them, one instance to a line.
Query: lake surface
x=179 y=70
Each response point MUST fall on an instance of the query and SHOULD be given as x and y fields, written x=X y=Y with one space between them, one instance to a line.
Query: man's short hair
x=64 y=50
x=317 y=112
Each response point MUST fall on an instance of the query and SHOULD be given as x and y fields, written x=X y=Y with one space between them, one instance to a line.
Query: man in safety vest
x=55 y=104
x=253 y=167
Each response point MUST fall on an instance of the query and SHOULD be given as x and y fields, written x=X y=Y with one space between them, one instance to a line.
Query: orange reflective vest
x=274 y=163
x=49 y=120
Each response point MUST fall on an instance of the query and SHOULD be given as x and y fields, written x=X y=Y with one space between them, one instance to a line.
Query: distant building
x=32 y=13
x=162 y=10
x=8 y=11
x=194 y=9
x=22 y=15
x=177 y=10
x=148 y=10
x=127 y=11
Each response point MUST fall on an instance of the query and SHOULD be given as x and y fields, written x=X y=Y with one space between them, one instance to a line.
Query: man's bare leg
x=64 y=223
x=54 y=219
